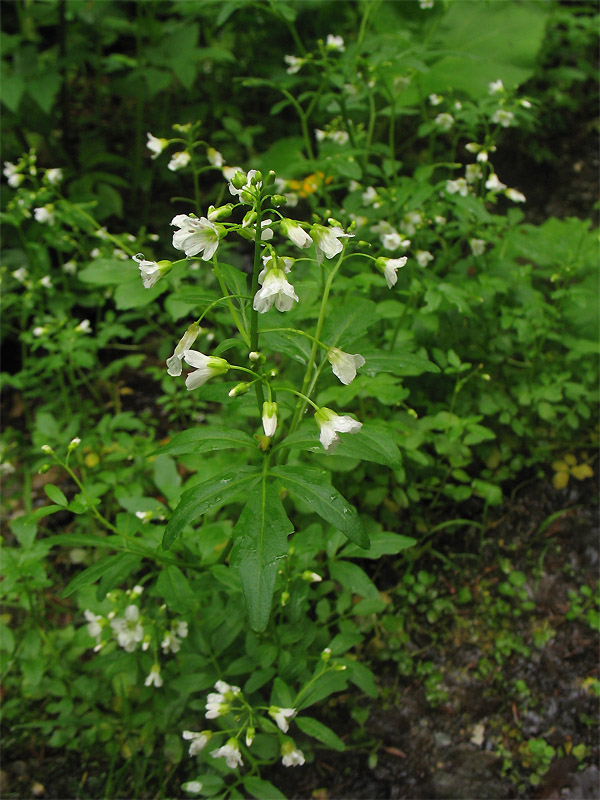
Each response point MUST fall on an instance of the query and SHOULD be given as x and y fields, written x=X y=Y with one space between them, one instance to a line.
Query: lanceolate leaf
x=371 y=443
x=316 y=729
x=210 y=494
x=201 y=440
x=260 y=543
x=97 y=570
x=312 y=486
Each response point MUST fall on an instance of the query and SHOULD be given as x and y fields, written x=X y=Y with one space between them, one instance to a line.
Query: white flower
x=195 y=236
x=54 y=175
x=181 y=629
x=193 y=787
x=472 y=173
x=435 y=99
x=503 y=117
x=494 y=184
x=423 y=257
x=275 y=289
x=252 y=185
x=335 y=43
x=515 y=196
x=389 y=267
x=174 y=362
x=269 y=418
x=412 y=221
x=155 y=145
x=230 y=752
x=477 y=246
x=394 y=241
x=128 y=629
x=150 y=271
x=12 y=174
x=294 y=231
x=44 y=215
x=339 y=137
x=440 y=220
x=524 y=103
x=425 y=4
x=93 y=628
x=74 y=443
x=281 y=716
x=444 y=121
x=206 y=367
x=214 y=157
x=295 y=64
x=344 y=365
x=495 y=87
x=20 y=274
x=84 y=326
x=170 y=643
x=291 y=755
x=227 y=689
x=327 y=240
x=179 y=160
x=154 y=678
x=46 y=282
x=144 y=516
x=229 y=172
x=284 y=263
x=38 y=331
x=198 y=740
x=369 y=196
x=95 y=252
x=330 y=424
x=458 y=186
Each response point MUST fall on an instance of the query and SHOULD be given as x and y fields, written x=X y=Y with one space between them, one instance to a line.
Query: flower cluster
x=132 y=629
x=229 y=700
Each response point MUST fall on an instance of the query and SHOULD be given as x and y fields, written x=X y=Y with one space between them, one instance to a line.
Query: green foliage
x=198 y=546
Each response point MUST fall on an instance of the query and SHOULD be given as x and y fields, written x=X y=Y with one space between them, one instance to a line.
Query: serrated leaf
x=202 y=498
x=260 y=537
x=312 y=486
x=321 y=732
x=202 y=440
x=56 y=495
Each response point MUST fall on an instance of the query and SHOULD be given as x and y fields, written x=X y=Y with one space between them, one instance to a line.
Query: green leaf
x=108 y=271
x=353 y=578
x=43 y=89
x=312 y=486
x=202 y=440
x=55 y=494
x=324 y=685
x=372 y=442
x=91 y=574
x=135 y=295
x=121 y=570
x=260 y=537
x=261 y=789
x=11 y=90
x=383 y=543
x=201 y=498
x=175 y=590
x=397 y=363
x=321 y=732
x=348 y=322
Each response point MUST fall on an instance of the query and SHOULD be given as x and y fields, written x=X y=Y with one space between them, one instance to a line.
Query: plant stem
x=256 y=269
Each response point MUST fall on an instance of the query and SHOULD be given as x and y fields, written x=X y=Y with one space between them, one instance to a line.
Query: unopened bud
x=285 y=596
x=249 y=218
x=254 y=356
x=256 y=178
x=74 y=443
x=239 y=180
x=326 y=654
x=270 y=177
x=45 y=448
x=278 y=200
x=240 y=389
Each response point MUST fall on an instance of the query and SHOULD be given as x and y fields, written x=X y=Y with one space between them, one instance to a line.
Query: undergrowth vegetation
x=270 y=314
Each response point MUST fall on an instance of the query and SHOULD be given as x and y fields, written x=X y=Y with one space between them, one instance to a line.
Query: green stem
x=238 y=323
x=301 y=405
x=256 y=270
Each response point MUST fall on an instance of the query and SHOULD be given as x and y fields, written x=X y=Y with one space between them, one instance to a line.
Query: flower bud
x=240 y=389
x=74 y=444
x=249 y=218
x=278 y=200
x=239 y=180
x=285 y=596
x=256 y=178
x=221 y=212
x=45 y=448
x=270 y=177
x=254 y=356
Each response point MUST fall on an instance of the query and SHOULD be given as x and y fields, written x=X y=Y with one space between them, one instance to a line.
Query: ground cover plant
x=280 y=340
